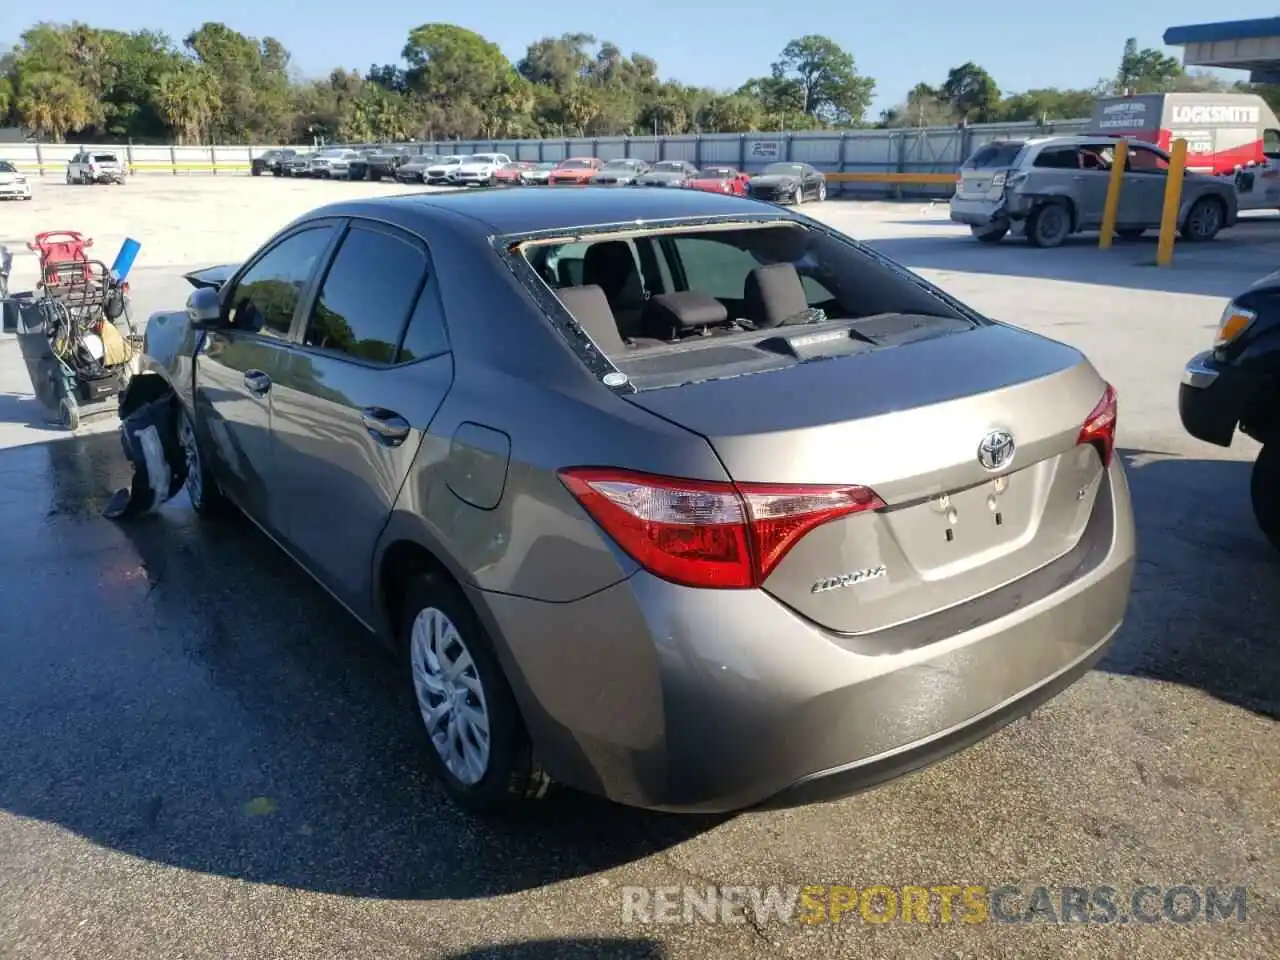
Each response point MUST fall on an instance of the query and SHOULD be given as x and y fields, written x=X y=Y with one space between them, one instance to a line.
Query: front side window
x=1142 y=160
x=266 y=297
x=366 y=297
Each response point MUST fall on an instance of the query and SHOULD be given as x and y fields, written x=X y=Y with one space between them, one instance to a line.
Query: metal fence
x=929 y=150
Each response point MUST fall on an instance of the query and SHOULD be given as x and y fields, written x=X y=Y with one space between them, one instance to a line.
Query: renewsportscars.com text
x=935 y=904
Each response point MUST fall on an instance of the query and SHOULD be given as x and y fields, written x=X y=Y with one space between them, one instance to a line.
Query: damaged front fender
x=169 y=347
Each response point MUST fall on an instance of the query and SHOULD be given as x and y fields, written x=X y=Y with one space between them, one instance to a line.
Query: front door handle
x=257 y=382
x=387 y=427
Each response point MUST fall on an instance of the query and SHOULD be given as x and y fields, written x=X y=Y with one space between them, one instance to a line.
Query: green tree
x=1146 y=70
x=1048 y=104
x=730 y=113
x=832 y=90
x=187 y=98
x=971 y=93
x=53 y=105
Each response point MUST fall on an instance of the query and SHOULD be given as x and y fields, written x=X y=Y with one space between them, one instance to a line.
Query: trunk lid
x=907 y=421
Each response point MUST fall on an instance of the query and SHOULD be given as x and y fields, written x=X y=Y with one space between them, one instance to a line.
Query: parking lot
x=204 y=757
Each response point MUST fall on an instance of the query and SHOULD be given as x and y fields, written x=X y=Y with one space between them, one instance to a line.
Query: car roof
x=513 y=212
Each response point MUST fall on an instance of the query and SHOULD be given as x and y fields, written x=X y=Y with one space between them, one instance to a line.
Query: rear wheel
x=822 y=191
x=1049 y=225
x=1264 y=491
x=1204 y=220
x=990 y=233
x=478 y=744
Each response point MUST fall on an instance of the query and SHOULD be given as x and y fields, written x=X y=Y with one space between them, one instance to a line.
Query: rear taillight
x=708 y=534
x=1100 y=428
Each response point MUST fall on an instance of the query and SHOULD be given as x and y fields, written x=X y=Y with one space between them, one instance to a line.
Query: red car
x=721 y=180
x=574 y=170
x=510 y=173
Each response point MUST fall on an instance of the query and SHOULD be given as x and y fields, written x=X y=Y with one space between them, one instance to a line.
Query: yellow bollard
x=1112 y=206
x=1172 y=202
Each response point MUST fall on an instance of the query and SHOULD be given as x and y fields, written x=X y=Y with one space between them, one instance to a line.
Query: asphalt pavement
x=202 y=756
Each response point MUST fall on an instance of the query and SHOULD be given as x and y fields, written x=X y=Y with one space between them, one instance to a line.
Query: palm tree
x=187 y=98
x=53 y=105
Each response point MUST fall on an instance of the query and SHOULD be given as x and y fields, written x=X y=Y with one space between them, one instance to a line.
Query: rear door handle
x=257 y=382
x=387 y=427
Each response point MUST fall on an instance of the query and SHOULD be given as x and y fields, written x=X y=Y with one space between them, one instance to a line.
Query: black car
x=788 y=182
x=270 y=160
x=1237 y=384
x=358 y=166
x=385 y=163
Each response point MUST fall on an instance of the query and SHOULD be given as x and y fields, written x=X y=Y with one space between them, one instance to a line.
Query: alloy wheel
x=450 y=695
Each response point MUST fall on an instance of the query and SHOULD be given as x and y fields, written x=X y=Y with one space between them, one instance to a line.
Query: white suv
x=479 y=168
x=96 y=166
x=13 y=184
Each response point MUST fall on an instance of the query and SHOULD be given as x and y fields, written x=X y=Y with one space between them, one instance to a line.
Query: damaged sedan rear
x=678 y=498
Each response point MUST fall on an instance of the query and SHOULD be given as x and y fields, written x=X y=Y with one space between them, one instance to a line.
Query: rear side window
x=106 y=158
x=1059 y=158
x=719 y=269
x=995 y=155
x=365 y=301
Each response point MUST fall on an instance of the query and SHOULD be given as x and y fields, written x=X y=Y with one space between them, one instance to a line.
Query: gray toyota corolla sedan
x=678 y=498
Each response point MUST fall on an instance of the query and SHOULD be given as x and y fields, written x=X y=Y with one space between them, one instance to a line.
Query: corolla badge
x=848 y=579
x=996 y=450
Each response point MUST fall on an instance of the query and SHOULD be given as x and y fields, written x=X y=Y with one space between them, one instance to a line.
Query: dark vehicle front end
x=1236 y=386
x=263 y=162
x=383 y=165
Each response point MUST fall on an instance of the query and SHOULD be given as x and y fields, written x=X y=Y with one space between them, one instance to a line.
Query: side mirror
x=204 y=309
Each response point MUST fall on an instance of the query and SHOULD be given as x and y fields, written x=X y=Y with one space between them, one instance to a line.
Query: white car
x=479 y=168
x=440 y=172
x=96 y=166
x=332 y=163
x=13 y=183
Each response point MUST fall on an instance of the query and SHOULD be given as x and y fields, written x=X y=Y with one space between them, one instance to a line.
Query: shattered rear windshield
x=642 y=295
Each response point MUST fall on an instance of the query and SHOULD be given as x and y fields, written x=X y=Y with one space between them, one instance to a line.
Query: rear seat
x=591 y=309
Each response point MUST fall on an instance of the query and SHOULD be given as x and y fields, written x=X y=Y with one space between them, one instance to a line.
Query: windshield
x=784 y=170
x=483 y=158
x=669 y=166
x=575 y=165
x=7 y=167
x=449 y=160
x=1001 y=154
x=621 y=165
x=711 y=269
x=721 y=173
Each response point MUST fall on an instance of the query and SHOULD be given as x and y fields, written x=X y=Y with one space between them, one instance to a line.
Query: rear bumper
x=695 y=700
x=978 y=213
x=1212 y=398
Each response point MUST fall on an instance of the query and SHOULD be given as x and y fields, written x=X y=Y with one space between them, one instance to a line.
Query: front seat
x=611 y=266
x=773 y=293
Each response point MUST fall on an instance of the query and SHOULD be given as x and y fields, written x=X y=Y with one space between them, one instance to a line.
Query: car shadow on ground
x=1221 y=268
x=1205 y=597
x=588 y=948
x=179 y=691
x=24 y=410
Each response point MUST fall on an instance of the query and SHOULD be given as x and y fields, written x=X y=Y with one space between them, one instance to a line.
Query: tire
x=1049 y=225
x=275 y=173
x=1264 y=491
x=1130 y=233
x=69 y=413
x=69 y=180
x=438 y=625
x=799 y=196
x=1204 y=220
x=992 y=233
x=207 y=500
x=822 y=191
x=255 y=172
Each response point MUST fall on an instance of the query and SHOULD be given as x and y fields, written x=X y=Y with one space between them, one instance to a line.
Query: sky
x=1022 y=45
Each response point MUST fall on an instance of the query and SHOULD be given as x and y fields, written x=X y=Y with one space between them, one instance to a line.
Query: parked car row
x=789 y=182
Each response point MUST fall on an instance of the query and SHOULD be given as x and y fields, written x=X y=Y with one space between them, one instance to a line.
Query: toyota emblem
x=995 y=452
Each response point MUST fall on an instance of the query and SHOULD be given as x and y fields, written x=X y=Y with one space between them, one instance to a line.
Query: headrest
x=671 y=314
x=773 y=293
x=591 y=309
